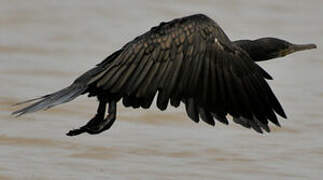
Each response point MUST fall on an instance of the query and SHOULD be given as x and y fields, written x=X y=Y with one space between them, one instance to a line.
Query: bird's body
x=188 y=60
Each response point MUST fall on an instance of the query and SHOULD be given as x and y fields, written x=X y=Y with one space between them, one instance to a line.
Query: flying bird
x=188 y=60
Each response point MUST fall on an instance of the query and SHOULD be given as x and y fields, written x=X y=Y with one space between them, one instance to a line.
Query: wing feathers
x=193 y=61
x=191 y=110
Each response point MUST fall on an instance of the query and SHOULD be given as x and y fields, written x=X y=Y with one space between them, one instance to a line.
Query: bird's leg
x=98 y=118
x=98 y=124
x=107 y=122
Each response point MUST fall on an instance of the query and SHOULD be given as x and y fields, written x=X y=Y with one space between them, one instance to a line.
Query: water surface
x=44 y=45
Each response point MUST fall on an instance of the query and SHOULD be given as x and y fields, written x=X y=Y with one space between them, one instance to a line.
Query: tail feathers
x=45 y=102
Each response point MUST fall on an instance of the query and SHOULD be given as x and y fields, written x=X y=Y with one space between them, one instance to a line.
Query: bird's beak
x=297 y=47
x=302 y=47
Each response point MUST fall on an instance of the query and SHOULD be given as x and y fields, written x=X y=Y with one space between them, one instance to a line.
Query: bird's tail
x=45 y=102
x=79 y=86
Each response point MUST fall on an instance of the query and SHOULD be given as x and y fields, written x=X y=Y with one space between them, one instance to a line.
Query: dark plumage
x=188 y=60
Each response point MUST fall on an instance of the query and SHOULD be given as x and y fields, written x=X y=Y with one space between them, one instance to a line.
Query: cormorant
x=189 y=60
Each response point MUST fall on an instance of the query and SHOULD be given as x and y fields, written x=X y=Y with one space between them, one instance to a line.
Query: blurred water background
x=45 y=44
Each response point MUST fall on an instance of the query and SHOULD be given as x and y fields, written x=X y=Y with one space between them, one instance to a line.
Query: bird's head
x=269 y=48
x=280 y=48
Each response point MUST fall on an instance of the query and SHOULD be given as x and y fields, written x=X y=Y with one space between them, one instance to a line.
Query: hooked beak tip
x=314 y=46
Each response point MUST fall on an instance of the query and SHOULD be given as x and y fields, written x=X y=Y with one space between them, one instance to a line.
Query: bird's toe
x=75 y=132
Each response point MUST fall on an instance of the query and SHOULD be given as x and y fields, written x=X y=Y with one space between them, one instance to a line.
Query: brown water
x=44 y=45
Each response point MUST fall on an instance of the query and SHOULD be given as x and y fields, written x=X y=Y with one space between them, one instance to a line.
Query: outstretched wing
x=191 y=60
